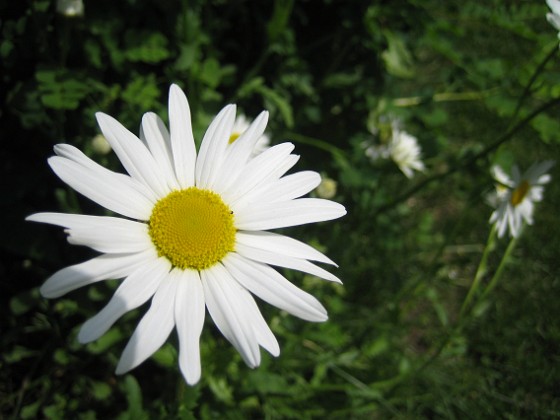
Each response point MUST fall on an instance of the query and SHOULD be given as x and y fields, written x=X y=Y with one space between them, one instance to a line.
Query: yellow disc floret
x=234 y=136
x=193 y=228
x=519 y=193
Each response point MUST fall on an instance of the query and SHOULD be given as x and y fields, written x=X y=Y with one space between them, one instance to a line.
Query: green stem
x=480 y=271
x=534 y=76
x=319 y=144
x=501 y=267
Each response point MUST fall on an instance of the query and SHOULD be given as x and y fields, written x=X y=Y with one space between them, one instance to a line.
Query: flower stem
x=534 y=76
x=336 y=152
x=501 y=267
x=480 y=271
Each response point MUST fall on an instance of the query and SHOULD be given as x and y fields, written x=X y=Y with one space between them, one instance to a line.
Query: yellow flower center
x=192 y=228
x=233 y=137
x=519 y=193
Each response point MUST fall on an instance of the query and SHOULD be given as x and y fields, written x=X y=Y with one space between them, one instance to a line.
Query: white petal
x=272 y=287
x=133 y=154
x=538 y=170
x=554 y=20
x=110 y=266
x=134 y=291
x=290 y=187
x=262 y=168
x=227 y=309
x=499 y=175
x=104 y=234
x=153 y=329
x=288 y=213
x=189 y=318
x=516 y=175
x=76 y=155
x=253 y=195
x=264 y=335
x=213 y=147
x=283 y=245
x=182 y=139
x=159 y=142
x=103 y=188
x=554 y=6
x=239 y=153
x=114 y=241
x=294 y=263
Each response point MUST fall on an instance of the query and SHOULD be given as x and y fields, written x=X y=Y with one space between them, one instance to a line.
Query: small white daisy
x=515 y=196
x=194 y=234
x=240 y=125
x=405 y=152
x=554 y=17
x=396 y=144
x=70 y=8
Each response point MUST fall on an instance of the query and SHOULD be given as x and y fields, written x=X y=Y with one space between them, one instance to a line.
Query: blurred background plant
x=475 y=83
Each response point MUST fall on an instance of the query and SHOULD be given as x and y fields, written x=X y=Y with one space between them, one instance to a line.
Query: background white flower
x=240 y=125
x=194 y=233
x=554 y=17
x=396 y=144
x=70 y=8
x=405 y=152
x=515 y=196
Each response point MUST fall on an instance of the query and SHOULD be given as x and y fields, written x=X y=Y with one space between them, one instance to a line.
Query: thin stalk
x=501 y=267
x=319 y=144
x=534 y=76
x=480 y=271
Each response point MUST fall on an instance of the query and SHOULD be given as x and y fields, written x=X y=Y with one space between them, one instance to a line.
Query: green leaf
x=280 y=16
x=30 y=410
x=133 y=394
x=106 y=341
x=211 y=73
x=101 y=390
x=166 y=356
x=548 y=128
x=146 y=47
x=277 y=101
x=266 y=382
x=24 y=301
x=143 y=92
x=18 y=353
x=60 y=89
x=397 y=57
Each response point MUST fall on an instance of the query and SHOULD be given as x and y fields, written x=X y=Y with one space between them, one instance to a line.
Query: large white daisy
x=515 y=196
x=194 y=234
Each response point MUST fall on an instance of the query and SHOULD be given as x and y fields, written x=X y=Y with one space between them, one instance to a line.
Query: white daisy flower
x=405 y=152
x=70 y=8
x=376 y=151
x=516 y=195
x=554 y=17
x=194 y=234
x=240 y=125
x=395 y=144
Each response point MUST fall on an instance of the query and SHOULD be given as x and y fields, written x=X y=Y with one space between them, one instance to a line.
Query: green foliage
x=464 y=78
